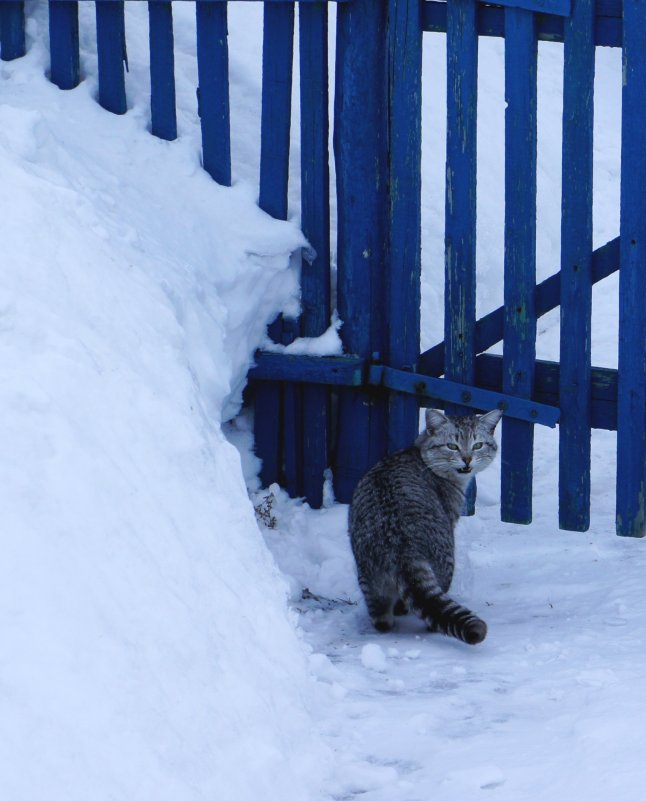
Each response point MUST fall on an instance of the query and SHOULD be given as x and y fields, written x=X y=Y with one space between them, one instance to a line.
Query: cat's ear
x=490 y=419
x=434 y=420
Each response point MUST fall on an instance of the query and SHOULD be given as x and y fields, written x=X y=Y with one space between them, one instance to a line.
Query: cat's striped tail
x=440 y=611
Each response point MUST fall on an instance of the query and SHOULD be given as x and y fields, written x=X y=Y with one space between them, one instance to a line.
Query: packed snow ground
x=549 y=707
x=148 y=652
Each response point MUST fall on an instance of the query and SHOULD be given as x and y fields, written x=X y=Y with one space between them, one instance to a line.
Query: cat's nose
x=467 y=460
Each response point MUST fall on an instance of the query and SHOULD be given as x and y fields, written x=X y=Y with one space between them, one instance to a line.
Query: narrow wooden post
x=12 y=29
x=631 y=409
x=576 y=269
x=277 y=421
x=360 y=144
x=404 y=253
x=162 y=70
x=315 y=222
x=213 y=92
x=277 y=67
x=460 y=225
x=520 y=258
x=111 y=53
x=64 y=43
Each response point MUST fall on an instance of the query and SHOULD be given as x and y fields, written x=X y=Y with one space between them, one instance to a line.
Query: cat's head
x=458 y=447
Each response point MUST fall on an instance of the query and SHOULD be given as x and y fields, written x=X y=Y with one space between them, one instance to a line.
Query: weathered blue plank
x=332 y=370
x=559 y=7
x=315 y=172
x=268 y=407
x=277 y=59
x=12 y=29
x=162 y=70
x=277 y=66
x=111 y=54
x=466 y=396
x=64 y=43
x=460 y=216
x=520 y=259
x=491 y=22
x=460 y=226
x=301 y=2
x=360 y=142
x=576 y=269
x=316 y=402
x=315 y=223
x=213 y=92
x=631 y=414
x=404 y=255
x=546 y=387
x=490 y=328
x=292 y=440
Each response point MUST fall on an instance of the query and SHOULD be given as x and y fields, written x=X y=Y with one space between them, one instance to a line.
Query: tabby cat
x=402 y=517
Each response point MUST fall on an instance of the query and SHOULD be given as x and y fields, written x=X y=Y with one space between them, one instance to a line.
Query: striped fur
x=402 y=518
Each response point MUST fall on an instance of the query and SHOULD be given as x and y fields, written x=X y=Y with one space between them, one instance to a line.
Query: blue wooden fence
x=375 y=390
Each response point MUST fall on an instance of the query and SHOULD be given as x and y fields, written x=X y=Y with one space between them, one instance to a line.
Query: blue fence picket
x=277 y=61
x=404 y=254
x=12 y=29
x=162 y=70
x=268 y=409
x=631 y=408
x=520 y=258
x=460 y=219
x=278 y=440
x=213 y=91
x=360 y=144
x=111 y=54
x=315 y=222
x=576 y=269
x=64 y=43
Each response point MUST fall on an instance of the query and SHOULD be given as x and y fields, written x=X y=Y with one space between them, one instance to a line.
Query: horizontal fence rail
x=352 y=371
x=490 y=21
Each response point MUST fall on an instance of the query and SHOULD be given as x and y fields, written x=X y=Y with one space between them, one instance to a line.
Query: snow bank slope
x=147 y=652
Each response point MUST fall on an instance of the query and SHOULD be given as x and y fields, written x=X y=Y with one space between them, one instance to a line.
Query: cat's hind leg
x=401 y=608
x=381 y=612
x=381 y=600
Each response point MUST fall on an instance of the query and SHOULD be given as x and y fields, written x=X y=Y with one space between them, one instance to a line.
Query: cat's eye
x=452 y=446
x=477 y=446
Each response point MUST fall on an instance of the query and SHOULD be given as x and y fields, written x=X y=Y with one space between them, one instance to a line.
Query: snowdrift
x=147 y=650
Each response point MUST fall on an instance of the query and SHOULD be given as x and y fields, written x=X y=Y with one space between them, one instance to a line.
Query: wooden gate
x=313 y=412
x=377 y=149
